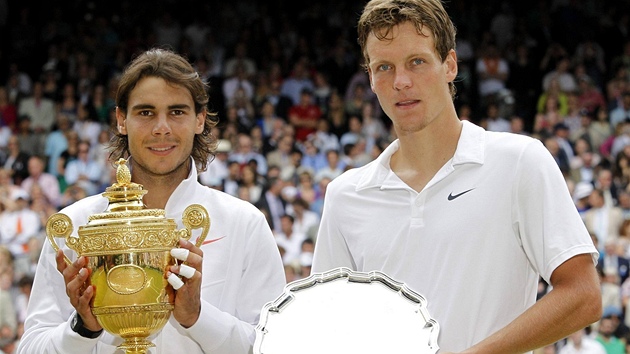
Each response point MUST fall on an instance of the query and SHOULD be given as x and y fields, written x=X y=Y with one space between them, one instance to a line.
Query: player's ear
x=121 y=121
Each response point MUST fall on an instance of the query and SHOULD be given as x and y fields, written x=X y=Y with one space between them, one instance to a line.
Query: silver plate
x=342 y=312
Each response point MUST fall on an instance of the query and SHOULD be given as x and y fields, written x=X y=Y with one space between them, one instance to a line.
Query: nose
x=162 y=125
x=402 y=80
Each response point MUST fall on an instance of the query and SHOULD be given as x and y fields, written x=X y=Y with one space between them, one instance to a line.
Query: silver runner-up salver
x=344 y=312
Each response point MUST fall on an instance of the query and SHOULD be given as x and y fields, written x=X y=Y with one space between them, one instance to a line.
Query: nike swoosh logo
x=451 y=196
x=213 y=240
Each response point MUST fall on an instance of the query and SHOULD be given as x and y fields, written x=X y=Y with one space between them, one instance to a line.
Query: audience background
x=296 y=110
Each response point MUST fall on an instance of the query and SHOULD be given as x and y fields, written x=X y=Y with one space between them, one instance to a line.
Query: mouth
x=161 y=150
x=407 y=103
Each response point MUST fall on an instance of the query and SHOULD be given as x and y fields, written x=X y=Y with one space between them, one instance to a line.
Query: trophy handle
x=60 y=225
x=195 y=216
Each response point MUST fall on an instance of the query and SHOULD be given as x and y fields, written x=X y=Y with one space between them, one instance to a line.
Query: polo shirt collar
x=470 y=149
x=185 y=190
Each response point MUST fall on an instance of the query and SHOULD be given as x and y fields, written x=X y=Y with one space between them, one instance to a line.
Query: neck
x=423 y=153
x=159 y=187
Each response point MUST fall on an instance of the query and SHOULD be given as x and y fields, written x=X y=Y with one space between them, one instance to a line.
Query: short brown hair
x=174 y=69
x=380 y=16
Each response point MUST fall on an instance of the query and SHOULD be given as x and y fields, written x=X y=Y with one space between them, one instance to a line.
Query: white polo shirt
x=473 y=241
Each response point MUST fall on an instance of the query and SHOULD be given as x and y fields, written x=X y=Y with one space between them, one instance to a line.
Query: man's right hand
x=78 y=289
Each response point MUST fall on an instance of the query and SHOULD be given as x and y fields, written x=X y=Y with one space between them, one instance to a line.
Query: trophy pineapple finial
x=123 y=175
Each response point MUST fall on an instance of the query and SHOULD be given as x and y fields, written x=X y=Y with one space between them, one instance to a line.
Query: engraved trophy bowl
x=128 y=252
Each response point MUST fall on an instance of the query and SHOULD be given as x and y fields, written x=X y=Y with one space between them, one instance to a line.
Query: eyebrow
x=150 y=106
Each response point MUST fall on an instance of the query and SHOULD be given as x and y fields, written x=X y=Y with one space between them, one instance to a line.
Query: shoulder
x=222 y=203
x=510 y=143
x=349 y=179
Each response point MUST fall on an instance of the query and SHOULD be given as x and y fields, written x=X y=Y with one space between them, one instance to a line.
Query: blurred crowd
x=295 y=109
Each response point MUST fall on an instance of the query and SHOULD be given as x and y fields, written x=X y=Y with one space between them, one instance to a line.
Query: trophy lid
x=125 y=198
x=124 y=194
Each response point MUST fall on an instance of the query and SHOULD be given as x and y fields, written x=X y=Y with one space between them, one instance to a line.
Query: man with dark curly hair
x=163 y=129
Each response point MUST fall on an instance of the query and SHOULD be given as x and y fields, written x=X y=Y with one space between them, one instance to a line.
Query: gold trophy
x=128 y=251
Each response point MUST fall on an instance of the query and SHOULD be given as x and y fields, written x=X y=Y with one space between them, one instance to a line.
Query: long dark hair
x=177 y=70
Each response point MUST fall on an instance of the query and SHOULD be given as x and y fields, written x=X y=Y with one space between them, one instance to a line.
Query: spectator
x=70 y=154
x=323 y=139
x=281 y=102
x=561 y=133
x=272 y=204
x=573 y=117
x=493 y=121
x=238 y=80
x=56 y=143
x=217 y=170
x=8 y=111
x=558 y=154
x=336 y=115
x=606 y=337
x=373 y=128
x=86 y=125
x=493 y=72
x=602 y=220
x=47 y=182
x=68 y=103
x=583 y=165
x=281 y=155
x=613 y=262
x=240 y=59
x=8 y=321
x=24 y=285
x=15 y=161
x=39 y=109
x=312 y=158
x=621 y=113
x=305 y=221
x=561 y=73
x=244 y=153
x=334 y=167
x=299 y=80
x=604 y=181
x=84 y=171
x=322 y=91
x=304 y=116
x=591 y=56
x=290 y=240
x=580 y=342
x=581 y=194
x=268 y=119
x=590 y=97
x=242 y=108
x=250 y=184
x=18 y=224
x=353 y=104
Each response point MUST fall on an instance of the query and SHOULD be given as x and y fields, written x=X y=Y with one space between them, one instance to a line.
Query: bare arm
x=574 y=303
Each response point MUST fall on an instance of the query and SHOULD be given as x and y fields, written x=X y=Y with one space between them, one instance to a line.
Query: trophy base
x=134 y=324
x=136 y=345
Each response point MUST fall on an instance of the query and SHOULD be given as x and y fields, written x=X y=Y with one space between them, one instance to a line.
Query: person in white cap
x=18 y=224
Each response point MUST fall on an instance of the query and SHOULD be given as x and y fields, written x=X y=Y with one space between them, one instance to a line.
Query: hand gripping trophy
x=128 y=251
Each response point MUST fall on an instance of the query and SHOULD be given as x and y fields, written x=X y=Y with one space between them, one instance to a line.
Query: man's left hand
x=187 y=296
